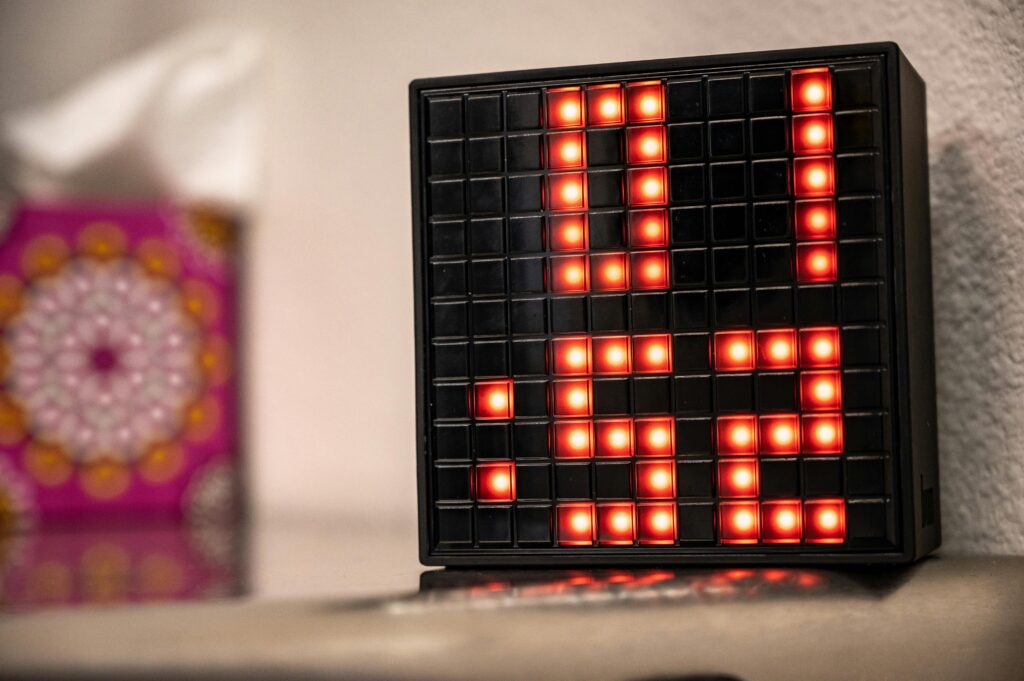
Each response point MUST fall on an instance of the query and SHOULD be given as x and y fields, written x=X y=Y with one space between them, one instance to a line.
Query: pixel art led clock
x=675 y=311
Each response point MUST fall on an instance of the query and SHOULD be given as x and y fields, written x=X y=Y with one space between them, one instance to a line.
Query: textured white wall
x=332 y=407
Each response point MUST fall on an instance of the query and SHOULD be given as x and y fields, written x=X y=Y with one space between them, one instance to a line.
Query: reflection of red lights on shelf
x=496 y=482
x=492 y=400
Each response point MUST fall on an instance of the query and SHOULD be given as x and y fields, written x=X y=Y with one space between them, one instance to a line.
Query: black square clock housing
x=675 y=311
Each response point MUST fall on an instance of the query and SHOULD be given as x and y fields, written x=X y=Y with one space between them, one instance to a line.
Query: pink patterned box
x=118 y=391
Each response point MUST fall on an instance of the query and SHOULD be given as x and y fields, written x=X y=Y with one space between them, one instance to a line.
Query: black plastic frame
x=915 y=447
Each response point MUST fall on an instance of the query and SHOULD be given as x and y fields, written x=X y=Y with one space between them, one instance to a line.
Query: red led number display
x=580 y=265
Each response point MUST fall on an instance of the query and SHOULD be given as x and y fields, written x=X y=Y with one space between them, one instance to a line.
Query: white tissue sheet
x=180 y=121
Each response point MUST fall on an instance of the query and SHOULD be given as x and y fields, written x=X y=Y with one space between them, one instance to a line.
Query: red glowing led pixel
x=571 y=397
x=604 y=105
x=816 y=219
x=780 y=434
x=570 y=356
x=565 y=107
x=492 y=400
x=652 y=354
x=816 y=262
x=567 y=191
x=656 y=523
x=738 y=521
x=645 y=145
x=781 y=521
x=822 y=433
x=645 y=102
x=737 y=478
x=776 y=349
x=565 y=150
x=496 y=482
x=575 y=524
x=569 y=274
x=811 y=89
x=655 y=436
x=824 y=521
x=611 y=354
x=737 y=435
x=819 y=348
x=648 y=228
x=649 y=270
x=573 y=439
x=655 y=479
x=812 y=134
x=646 y=187
x=609 y=272
x=813 y=176
x=614 y=437
x=734 y=350
x=567 y=232
x=820 y=391
x=615 y=524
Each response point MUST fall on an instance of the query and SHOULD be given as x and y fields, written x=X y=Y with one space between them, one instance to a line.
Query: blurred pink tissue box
x=118 y=390
x=119 y=395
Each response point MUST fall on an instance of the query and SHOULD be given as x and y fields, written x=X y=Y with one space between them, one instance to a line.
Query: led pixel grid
x=663 y=312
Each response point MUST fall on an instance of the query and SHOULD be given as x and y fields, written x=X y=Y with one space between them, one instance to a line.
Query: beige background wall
x=332 y=404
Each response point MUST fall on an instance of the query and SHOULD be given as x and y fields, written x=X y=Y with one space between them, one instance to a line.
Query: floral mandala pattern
x=115 y=362
x=103 y=359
